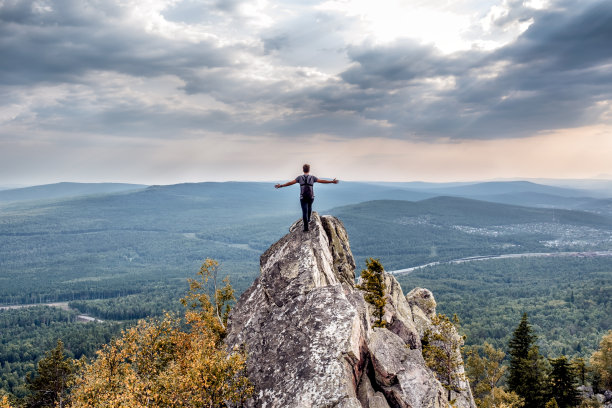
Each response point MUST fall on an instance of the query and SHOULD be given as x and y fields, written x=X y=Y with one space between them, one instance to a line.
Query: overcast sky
x=168 y=91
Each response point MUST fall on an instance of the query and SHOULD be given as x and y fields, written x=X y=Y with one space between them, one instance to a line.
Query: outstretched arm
x=289 y=183
x=334 y=181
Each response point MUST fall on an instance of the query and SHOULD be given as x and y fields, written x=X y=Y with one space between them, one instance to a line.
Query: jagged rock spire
x=309 y=337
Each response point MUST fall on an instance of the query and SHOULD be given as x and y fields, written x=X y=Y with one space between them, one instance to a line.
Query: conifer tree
x=373 y=283
x=520 y=343
x=527 y=367
x=580 y=368
x=562 y=383
x=441 y=351
x=50 y=386
x=552 y=403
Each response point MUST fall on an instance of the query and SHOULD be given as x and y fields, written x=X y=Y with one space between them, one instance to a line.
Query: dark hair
x=306 y=168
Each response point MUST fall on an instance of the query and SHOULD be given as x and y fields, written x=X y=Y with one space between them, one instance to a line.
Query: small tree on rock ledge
x=373 y=283
x=441 y=351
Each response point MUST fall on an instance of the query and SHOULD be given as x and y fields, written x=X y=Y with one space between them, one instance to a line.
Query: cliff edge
x=309 y=336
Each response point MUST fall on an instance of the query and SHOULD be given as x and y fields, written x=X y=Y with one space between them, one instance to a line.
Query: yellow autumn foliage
x=158 y=364
x=4 y=402
x=485 y=370
x=601 y=361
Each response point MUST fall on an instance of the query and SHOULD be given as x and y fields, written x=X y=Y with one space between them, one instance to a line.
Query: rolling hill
x=578 y=194
x=405 y=234
x=507 y=187
x=63 y=190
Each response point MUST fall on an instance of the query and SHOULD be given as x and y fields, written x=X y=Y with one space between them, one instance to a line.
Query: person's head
x=306 y=168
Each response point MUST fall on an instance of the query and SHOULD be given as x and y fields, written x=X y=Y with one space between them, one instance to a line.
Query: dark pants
x=306 y=210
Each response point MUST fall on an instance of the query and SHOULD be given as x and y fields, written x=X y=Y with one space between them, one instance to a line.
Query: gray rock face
x=402 y=374
x=309 y=336
x=423 y=308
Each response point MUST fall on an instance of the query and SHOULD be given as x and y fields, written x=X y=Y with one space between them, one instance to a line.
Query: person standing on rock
x=306 y=191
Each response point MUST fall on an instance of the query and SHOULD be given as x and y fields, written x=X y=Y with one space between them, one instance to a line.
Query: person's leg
x=310 y=208
x=305 y=214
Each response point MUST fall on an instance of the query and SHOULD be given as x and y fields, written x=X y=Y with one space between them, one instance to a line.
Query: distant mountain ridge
x=63 y=190
x=570 y=194
x=472 y=212
x=507 y=187
x=526 y=193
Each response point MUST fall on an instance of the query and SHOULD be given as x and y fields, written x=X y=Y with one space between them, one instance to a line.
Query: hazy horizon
x=602 y=179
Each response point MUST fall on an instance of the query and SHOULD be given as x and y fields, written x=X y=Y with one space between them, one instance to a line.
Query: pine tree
x=441 y=351
x=527 y=367
x=50 y=386
x=562 y=383
x=552 y=403
x=522 y=340
x=580 y=368
x=374 y=285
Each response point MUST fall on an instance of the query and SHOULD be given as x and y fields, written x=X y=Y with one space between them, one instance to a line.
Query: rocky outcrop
x=309 y=335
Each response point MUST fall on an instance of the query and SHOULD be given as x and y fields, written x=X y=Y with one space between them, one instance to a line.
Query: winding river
x=503 y=256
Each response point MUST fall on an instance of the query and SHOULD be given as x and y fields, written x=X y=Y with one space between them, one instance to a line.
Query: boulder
x=402 y=373
x=398 y=314
x=423 y=308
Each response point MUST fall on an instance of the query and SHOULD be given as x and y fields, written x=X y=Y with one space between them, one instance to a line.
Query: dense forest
x=27 y=334
x=568 y=299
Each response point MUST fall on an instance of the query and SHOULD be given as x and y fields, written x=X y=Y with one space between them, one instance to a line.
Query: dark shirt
x=303 y=179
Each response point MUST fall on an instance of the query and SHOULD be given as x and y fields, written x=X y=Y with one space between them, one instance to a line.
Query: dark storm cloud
x=552 y=77
x=566 y=40
x=73 y=37
x=557 y=72
x=398 y=64
x=202 y=11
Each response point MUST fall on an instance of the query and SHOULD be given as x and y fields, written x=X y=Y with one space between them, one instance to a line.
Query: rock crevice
x=309 y=335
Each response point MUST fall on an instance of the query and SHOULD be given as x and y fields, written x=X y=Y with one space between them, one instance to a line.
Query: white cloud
x=385 y=22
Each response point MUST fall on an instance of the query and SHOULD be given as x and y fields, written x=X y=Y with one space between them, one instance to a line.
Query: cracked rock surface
x=309 y=336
